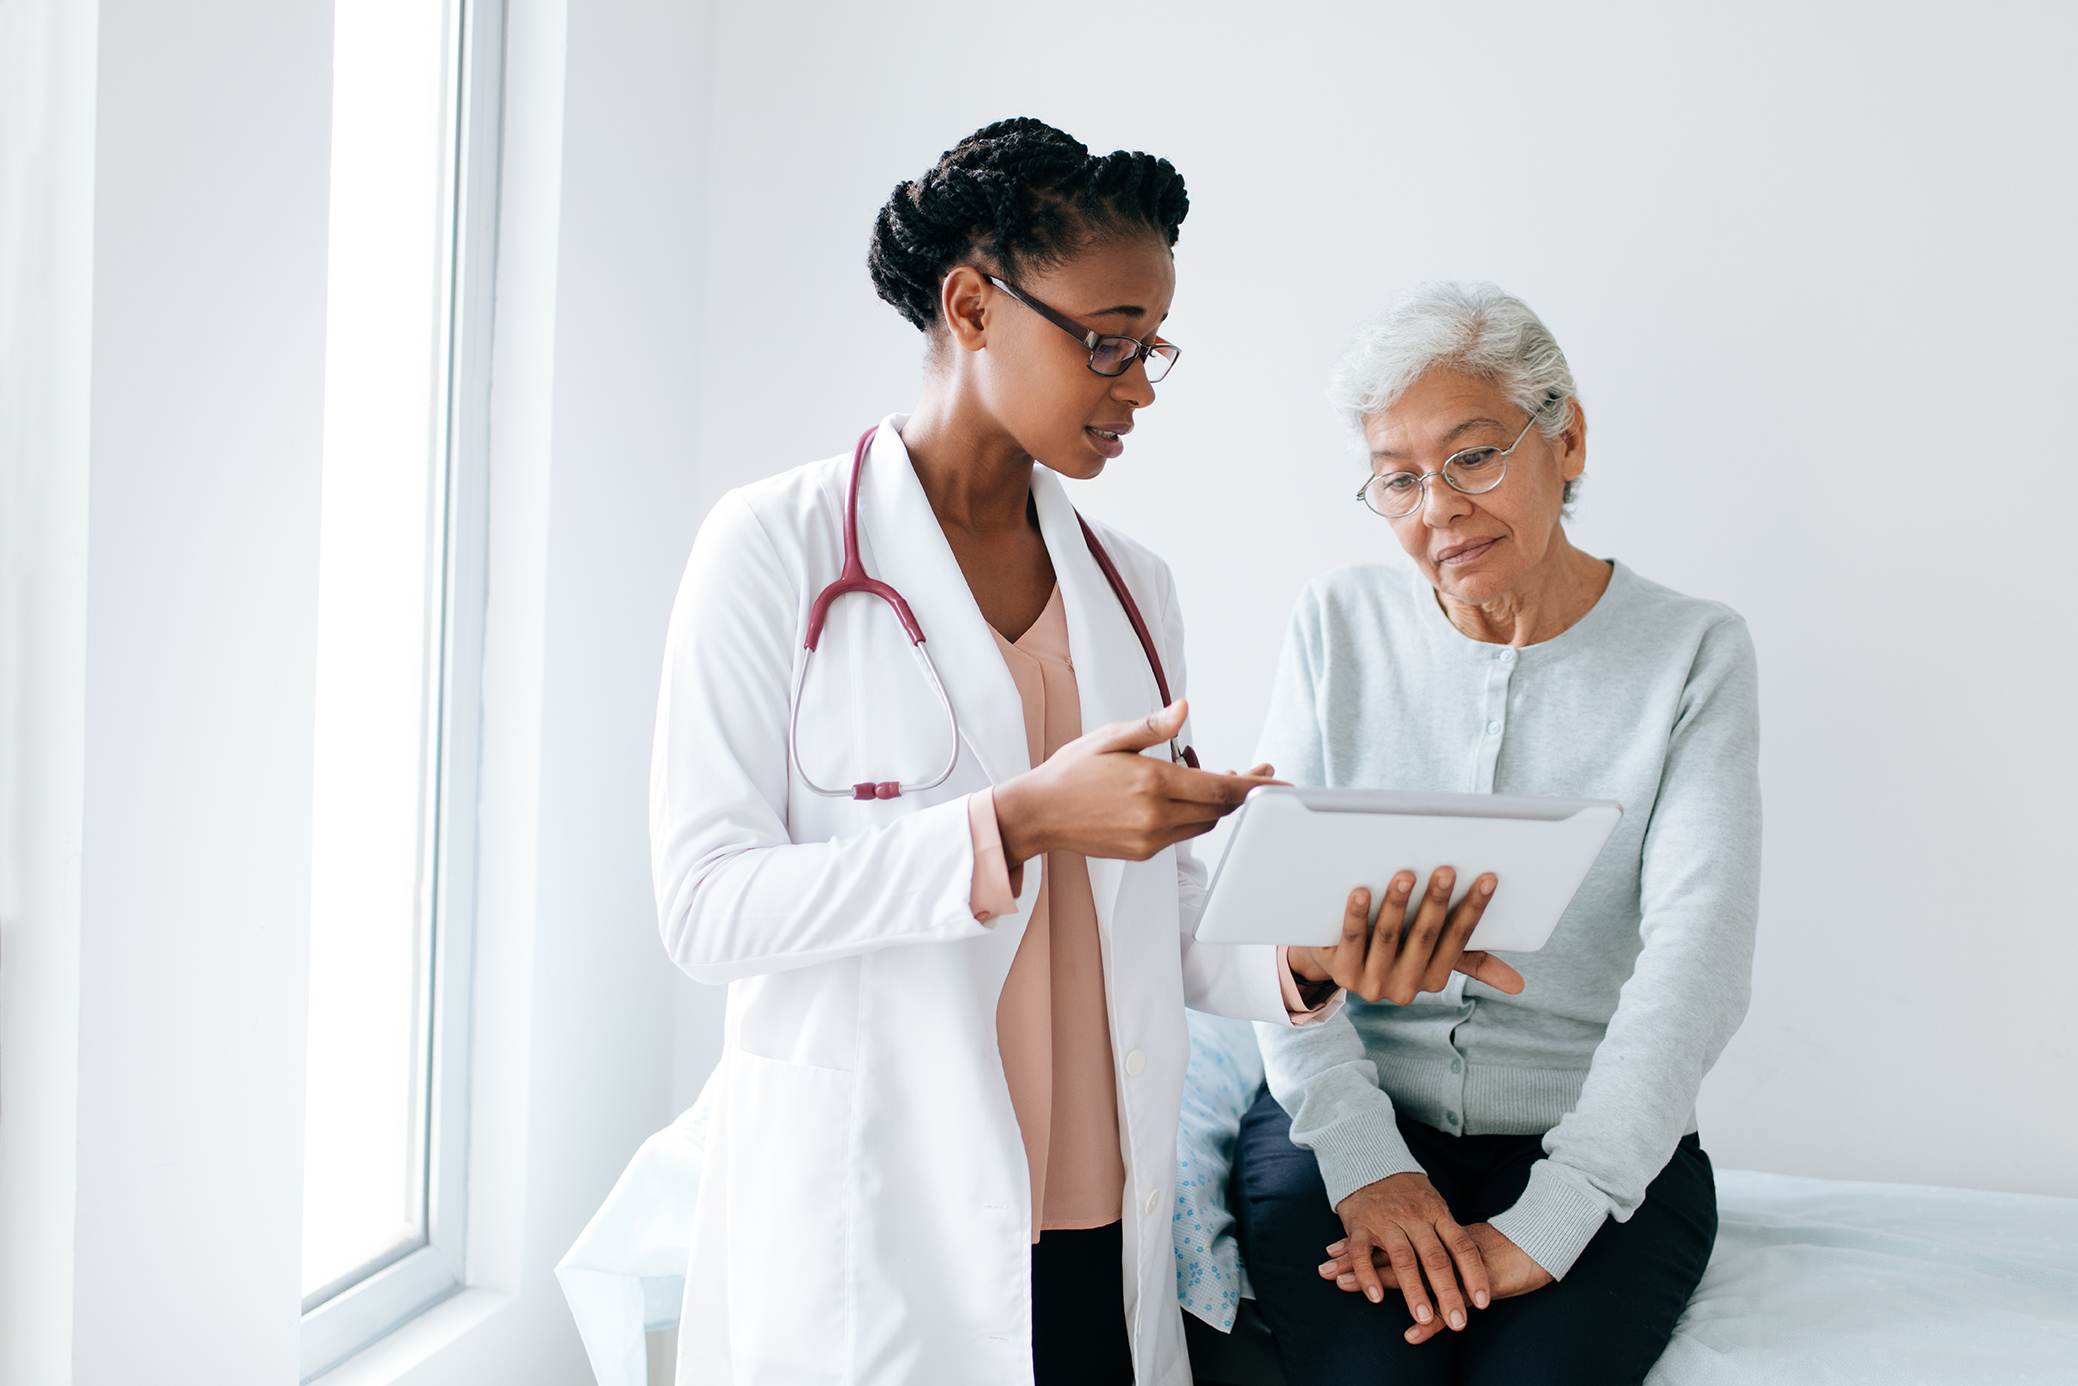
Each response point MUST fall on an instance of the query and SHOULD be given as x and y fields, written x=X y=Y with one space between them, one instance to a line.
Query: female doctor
x=957 y=931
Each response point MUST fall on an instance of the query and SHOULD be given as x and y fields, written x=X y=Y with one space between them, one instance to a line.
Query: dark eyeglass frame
x=1133 y=349
x=1421 y=479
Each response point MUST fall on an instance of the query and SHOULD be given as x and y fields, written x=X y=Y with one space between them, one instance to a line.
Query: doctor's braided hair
x=1018 y=193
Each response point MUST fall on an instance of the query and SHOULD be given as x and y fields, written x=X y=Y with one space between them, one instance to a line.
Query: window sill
x=390 y=1357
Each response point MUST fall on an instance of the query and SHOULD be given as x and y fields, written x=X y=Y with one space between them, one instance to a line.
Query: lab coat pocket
x=789 y=1219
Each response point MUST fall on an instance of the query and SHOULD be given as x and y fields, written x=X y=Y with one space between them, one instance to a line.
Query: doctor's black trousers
x=1078 y=1309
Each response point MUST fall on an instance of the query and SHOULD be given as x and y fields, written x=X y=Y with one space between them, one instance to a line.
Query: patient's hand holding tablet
x=1398 y=964
x=1297 y=855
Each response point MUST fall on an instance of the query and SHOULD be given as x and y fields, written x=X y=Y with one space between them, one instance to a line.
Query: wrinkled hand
x=1508 y=1269
x=1401 y=1225
x=1099 y=796
x=1387 y=963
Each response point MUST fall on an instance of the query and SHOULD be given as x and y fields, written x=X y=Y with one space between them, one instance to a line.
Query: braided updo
x=1021 y=193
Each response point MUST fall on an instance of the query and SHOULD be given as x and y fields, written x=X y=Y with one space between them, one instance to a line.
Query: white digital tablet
x=1295 y=854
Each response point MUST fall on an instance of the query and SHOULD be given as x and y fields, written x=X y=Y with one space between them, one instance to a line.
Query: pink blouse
x=1052 y=1022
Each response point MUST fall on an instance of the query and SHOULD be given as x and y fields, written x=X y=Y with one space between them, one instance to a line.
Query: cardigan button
x=1151 y=1202
x=1136 y=1064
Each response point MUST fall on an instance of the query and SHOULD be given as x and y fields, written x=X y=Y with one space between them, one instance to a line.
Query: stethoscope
x=854 y=579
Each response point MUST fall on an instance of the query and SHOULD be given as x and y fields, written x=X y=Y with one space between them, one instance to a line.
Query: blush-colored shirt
x=1052 y=1021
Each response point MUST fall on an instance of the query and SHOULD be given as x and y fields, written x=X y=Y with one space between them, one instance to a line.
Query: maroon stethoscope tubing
x=853 y=578
x=1186 y=756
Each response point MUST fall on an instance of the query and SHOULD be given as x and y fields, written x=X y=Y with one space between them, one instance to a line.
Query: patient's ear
x=1571 y=444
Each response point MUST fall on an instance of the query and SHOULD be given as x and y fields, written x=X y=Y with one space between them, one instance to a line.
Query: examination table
x=1813 y=1281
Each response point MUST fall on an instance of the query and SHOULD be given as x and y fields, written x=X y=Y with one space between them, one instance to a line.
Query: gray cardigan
x=1651 y=699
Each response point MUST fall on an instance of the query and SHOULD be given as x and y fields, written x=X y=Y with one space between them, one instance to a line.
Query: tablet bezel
x=1427 y=805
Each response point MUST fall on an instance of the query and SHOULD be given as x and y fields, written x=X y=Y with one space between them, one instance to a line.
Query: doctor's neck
x=976 y=474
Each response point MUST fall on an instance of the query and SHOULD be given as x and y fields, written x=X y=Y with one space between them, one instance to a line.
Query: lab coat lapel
x=905 y=548
x=1112 y=676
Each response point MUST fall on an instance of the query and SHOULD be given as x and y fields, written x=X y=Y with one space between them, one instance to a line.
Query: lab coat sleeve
x=1245 y=981
x=736 y=897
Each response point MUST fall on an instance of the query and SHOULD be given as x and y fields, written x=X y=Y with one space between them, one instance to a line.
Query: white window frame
x=394 y=1294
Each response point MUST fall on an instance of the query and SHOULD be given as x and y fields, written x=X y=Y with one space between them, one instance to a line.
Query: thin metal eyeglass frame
x=1421 y=485
x=1094 y=340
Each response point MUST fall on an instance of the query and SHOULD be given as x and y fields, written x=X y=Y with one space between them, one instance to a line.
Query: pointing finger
x=1151 y=730
x=1204 y=787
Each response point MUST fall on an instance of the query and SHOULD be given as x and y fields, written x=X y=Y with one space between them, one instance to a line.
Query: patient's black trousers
x=1605 y=1324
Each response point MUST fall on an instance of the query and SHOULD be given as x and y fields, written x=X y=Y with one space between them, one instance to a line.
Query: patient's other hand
x=1400 y=1224
x=1387 y=963
x=1509 y=1269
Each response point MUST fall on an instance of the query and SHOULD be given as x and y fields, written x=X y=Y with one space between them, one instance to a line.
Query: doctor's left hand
x=1099 y=796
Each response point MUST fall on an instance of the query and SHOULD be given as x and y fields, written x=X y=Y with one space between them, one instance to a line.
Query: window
x=414 y=152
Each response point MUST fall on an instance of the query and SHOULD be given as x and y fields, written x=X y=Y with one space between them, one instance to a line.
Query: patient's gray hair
x=1474 y=328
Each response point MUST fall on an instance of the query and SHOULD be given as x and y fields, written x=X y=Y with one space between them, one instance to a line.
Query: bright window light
x=381 y=620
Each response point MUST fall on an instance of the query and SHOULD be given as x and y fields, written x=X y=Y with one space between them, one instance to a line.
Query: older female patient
x=1474 y=1186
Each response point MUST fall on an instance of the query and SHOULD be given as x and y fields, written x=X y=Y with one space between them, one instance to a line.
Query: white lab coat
x=864 y=1214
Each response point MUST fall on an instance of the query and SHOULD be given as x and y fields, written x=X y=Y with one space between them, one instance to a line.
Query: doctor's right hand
x=1099 y=796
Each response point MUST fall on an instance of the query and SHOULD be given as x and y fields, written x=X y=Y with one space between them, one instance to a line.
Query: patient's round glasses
x=1473 y=472
x=1109 y=356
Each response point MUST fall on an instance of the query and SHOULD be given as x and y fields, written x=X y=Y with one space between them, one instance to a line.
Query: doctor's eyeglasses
x=1109 y=356
x=1473 y=472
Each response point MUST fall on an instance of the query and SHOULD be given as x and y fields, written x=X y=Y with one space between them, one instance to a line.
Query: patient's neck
x=1548 y=600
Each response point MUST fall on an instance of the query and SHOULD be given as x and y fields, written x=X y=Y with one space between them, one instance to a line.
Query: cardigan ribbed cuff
x=1360 y=1149
x=1556 y=1217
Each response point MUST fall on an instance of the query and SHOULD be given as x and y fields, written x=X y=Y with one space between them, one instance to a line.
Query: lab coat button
x=1151 y=1202
x=1136 y=1064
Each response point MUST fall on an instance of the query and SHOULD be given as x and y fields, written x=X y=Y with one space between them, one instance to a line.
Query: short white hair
x=1475 y=328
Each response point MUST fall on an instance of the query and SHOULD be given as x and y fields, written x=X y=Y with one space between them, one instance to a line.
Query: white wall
x=46 y=299
x=1812 y=266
